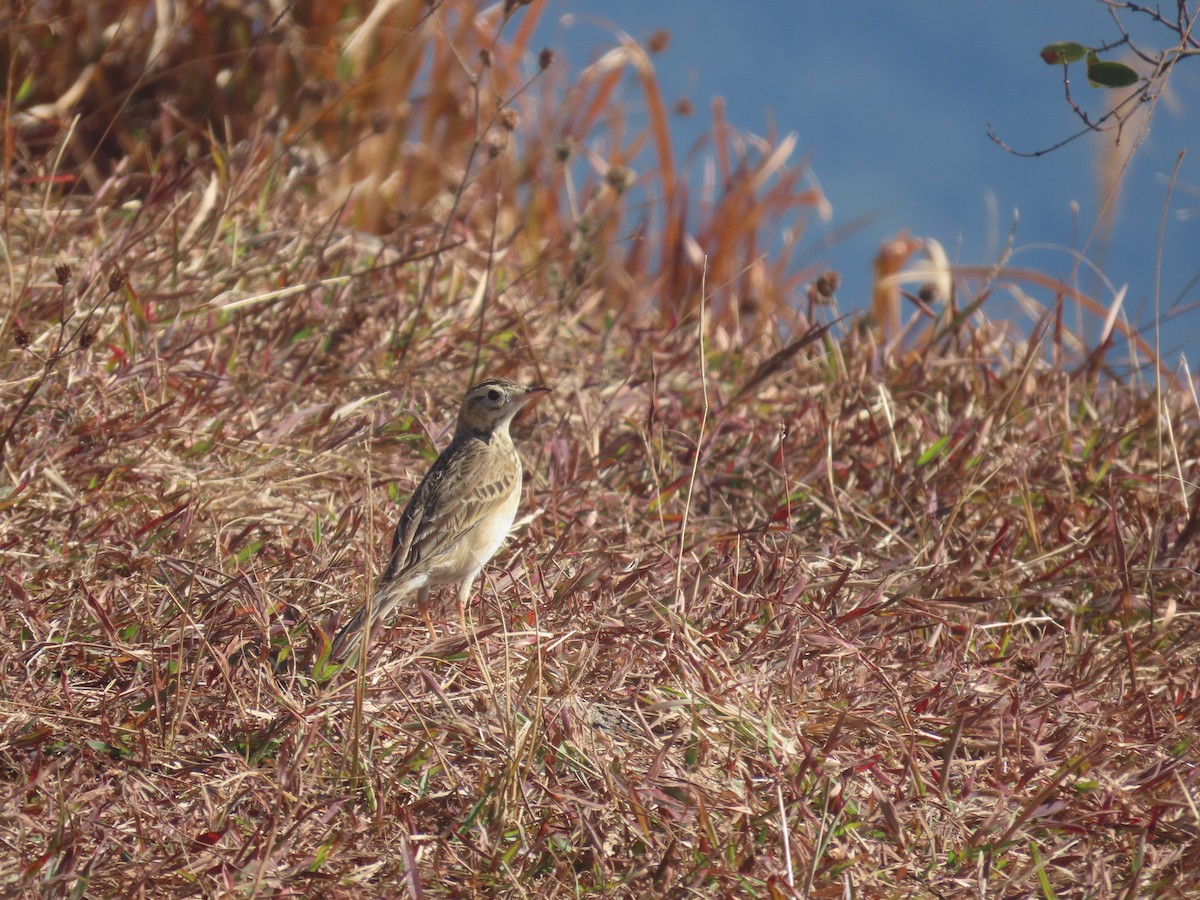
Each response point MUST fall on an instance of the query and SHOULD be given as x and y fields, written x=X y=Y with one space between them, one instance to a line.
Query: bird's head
x=491 y=404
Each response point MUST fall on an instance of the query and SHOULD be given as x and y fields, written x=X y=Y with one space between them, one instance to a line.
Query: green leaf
x=1042 y=877
x=1111 y=75
x=1063 y=52
x=24 y=92
x=934 y=451
x=107 y=749
x=248 y=551
x=322 y=855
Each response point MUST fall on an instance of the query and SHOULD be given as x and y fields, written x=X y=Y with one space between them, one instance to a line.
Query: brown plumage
x=460 y=513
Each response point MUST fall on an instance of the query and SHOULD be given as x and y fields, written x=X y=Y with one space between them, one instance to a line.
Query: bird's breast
x=491 y=533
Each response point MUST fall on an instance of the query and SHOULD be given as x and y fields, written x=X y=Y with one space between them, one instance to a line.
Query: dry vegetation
x=828 y=619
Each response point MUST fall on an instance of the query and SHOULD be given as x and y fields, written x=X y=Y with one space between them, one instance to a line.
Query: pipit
x=459 y=514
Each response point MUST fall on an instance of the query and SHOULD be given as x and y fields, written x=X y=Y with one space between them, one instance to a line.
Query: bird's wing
x=450 y=502
x=446 y=507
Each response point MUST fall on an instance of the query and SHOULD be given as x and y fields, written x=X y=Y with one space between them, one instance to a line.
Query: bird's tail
x=349 y=636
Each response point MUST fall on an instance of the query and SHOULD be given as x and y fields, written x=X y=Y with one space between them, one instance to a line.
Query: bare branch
x=1160 y=62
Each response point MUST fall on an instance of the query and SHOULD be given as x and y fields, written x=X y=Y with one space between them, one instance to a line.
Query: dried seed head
x=62 y=273
x=485 y=57
x=22 y=337
x=509 y=119
x=116 y=279
x=380 y=121
x=494 y=147
x=684 y=107
x=562 y=152
x=545 y=58
x=659 y=40
x=313 y=91
x=828 y=283
x=619 y=178
x=87 y=337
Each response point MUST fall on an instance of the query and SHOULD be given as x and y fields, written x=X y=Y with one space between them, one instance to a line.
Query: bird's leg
x=423 y=606
x=464 y=595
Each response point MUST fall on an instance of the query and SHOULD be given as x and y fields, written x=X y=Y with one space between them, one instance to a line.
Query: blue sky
x=891 y=103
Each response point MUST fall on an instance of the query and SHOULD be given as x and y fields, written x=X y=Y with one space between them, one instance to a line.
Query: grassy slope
x=917 y=625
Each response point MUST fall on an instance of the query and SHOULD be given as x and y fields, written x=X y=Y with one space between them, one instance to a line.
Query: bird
x=458 y=516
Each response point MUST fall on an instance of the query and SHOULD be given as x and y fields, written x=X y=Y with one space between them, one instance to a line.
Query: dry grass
x=781 y=621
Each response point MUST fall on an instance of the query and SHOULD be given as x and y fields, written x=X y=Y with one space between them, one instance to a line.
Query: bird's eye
x=493 y=395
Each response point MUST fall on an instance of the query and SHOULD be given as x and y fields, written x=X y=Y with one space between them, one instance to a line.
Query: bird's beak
x=532 y=393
